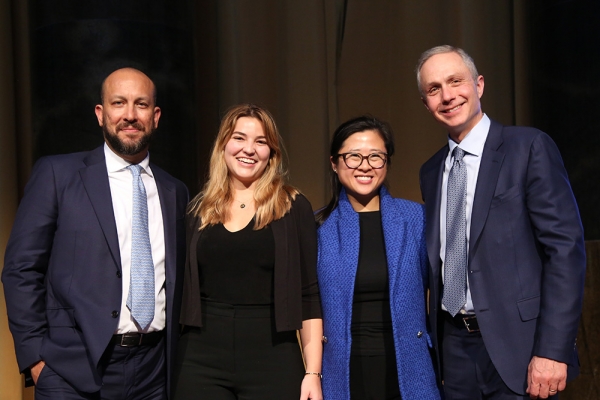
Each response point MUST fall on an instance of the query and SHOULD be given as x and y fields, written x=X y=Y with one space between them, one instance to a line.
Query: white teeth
x=455 y=108
x=247 y=160
x=364 y=178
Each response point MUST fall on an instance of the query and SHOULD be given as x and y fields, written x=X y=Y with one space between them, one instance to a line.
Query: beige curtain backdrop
x=15 y=163
x=313 y=64
x=9 y=373
x=318 y=63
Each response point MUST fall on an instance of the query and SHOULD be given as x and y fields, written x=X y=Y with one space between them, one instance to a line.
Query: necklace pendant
x=242 y=205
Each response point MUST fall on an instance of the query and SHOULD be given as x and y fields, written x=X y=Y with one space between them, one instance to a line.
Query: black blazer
x=296 y=289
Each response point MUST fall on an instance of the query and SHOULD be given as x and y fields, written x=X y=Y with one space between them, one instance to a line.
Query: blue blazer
x=62 y=267
x=526 y=251
x=404 y=234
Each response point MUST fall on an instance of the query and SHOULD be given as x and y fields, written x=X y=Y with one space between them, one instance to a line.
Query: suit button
x=118 y=274
x=419 y=334
x=114 y=314
x=324 y=339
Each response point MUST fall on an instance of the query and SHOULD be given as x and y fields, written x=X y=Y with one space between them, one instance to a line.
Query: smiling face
x=128 y=114
x=247 y=152
x=450 y=94
x=362 y=184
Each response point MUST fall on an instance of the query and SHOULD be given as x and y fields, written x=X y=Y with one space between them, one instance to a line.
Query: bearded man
x=91 y=264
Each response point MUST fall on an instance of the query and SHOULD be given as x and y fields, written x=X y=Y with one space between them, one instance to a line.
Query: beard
x=127 y=149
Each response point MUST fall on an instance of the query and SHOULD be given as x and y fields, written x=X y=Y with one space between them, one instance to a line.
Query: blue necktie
x=455 y=263
x=141 y=286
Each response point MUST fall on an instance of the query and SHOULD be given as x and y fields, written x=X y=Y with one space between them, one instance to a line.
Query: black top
x=236 y=267
x=296 y=291
x=371 y=315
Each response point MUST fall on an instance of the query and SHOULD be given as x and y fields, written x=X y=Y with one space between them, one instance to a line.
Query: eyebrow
x=244 y=134
x=123 y=97
x=375 y=150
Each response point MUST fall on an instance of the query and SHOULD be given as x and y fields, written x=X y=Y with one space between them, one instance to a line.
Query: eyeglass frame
x=363 y=158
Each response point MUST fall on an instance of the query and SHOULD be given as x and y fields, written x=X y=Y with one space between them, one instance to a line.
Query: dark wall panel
x=76 y=44
x=565 y=61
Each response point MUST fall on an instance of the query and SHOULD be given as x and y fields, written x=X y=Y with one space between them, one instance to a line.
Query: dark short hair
x=341 y=134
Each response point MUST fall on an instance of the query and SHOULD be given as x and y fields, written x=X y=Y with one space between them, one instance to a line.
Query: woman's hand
x=311 y=388
x=312 y=349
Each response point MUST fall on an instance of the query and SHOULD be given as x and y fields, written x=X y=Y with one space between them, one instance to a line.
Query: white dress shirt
x=472 y=144
x=121 y=190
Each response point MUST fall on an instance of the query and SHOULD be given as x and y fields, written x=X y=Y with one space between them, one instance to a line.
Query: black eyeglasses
x=355 y=160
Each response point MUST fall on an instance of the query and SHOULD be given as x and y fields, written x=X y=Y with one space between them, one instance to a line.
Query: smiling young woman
x=250 y=276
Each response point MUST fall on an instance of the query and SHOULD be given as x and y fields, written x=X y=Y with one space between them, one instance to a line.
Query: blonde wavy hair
x=272 y=196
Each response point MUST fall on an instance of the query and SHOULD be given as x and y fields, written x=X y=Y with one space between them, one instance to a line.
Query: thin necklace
x=242 y=204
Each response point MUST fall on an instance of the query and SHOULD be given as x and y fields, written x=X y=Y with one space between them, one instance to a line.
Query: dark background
x=74 y=45
x=313 y=64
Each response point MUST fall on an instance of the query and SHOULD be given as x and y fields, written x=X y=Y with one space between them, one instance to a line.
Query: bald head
x=127 y=74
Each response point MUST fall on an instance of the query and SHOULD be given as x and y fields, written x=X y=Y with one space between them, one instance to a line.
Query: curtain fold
x=10 y=379
x=587 y=385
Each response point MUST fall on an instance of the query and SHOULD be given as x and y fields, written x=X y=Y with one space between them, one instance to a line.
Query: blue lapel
x=344 y=250
x=348 y=233
x=489 y=170
x=393 y=235
x=95 y=181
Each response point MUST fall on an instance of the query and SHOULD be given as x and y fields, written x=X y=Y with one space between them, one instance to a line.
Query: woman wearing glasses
x=372 y=270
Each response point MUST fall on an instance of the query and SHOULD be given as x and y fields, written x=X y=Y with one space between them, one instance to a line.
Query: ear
x=333 y=164
x=157 y=114
x=99 y=111
x=480 y=85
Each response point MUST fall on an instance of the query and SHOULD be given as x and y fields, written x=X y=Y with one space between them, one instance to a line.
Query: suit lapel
x=431 y=184
x=95 y=181
x=167 y=196
x=489 y=170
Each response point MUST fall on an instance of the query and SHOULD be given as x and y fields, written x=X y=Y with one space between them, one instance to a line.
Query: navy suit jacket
x=62 y=269
x=526 y=251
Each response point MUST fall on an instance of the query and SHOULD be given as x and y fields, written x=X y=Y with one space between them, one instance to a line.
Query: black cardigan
x=296 y=289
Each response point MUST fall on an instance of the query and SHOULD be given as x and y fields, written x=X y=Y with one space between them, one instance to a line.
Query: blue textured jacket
x=404 y=234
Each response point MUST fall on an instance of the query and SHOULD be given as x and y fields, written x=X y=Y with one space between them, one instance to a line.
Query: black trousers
x=469 y=373
x=374 y=378
x=130 y=373
x=238 y=355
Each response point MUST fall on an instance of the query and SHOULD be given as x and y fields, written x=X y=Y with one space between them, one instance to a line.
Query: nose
x=249 y=147
x=364 y=164
x=130 y=114
x=448 y=94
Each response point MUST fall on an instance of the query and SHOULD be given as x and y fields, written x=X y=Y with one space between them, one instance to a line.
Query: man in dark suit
x=91 y=271
x=505 y=243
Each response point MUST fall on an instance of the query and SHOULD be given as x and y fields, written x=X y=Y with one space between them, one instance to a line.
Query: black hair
x=343 y=132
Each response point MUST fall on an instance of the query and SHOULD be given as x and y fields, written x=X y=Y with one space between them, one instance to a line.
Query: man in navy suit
x=68 y=262
x=512 y=332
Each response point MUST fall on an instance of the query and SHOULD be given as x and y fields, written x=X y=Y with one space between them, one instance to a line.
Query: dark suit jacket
x=526 y=251
x=62 y=268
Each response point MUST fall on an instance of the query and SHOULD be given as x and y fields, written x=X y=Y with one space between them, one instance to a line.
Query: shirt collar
x=114 y=163
x=475 y=140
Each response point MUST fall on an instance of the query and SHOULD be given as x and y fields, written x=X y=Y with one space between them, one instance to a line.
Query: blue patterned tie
x=141 y=286
x=455 y=263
